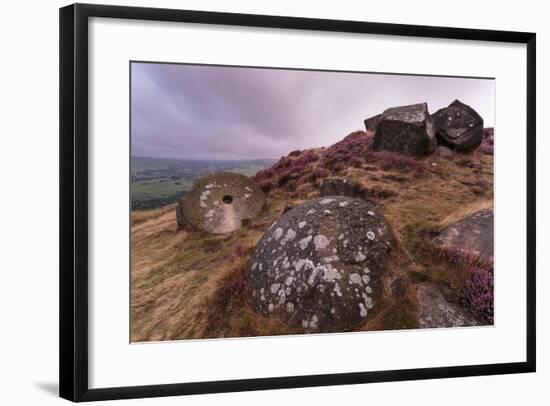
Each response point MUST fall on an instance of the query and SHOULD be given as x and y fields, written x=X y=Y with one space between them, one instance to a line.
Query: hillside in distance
x=157 y=182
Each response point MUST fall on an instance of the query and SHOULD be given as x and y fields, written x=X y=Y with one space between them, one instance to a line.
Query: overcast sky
x=205 y=112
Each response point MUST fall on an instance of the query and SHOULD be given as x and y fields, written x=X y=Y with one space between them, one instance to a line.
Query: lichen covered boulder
x=469 y=239
x=458 y=126
x=219 y=202
x=406 y=129
x=319 y=267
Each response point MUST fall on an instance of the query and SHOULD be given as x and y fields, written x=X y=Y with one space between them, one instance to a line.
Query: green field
x=147 y=189
x=157 y=181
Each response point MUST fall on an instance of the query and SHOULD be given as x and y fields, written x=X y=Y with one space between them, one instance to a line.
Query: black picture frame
x=73 y=254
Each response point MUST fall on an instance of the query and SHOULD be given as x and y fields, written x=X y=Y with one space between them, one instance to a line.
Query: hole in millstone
x=227 y=199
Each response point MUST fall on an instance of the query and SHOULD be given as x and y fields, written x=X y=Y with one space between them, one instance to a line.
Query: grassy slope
x=190 y=285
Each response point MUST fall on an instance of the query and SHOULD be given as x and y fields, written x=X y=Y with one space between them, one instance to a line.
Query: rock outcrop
x=342 y=187
x=458 y=126
x=371 y=124
x=219 y=202
x=406 y=129
x=319 y=266
x=471 y=238
x=435 y=311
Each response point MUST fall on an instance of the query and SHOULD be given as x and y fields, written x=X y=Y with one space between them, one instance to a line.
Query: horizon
x=221 y=113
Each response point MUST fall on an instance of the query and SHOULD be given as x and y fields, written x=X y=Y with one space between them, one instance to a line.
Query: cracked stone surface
x=406 y=129
x=319 y=266
x=219 y=202
x=458 y=126
x=436 y=311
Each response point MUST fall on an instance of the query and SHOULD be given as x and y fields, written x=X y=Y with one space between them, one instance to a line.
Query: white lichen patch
x=289 y=281
x=320 y=241
x=247 y=195
x=278 y=233
x=310 y=211
x=313 y=322
x=355 y=278
x=303 y=243
x=343 y=204
x=370 y=213
x=290 y=234
x=369 y=303
x=365 y=279
x=303 y=263
x=370 y=235
x=330 y=274
x=302 y=224
x=314 y=276
x=290 y=307
x=360 y=257
x=362 y=310
x=326 y=201
x=274 y=287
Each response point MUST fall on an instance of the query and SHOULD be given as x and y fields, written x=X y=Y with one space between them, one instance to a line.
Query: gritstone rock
x=471 y=237
x=406 y=129
x=219 y=202
x=371 y=124
x=458 y=126
x=436 y=311
x=342 y=187
x=319 y=267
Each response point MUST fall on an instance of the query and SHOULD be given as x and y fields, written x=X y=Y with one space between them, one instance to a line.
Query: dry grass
x=190 y=285
x=140 y=216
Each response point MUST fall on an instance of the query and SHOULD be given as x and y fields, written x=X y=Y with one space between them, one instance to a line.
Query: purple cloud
x=208 y=112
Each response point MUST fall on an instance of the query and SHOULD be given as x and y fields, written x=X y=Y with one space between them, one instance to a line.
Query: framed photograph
x=256 y=202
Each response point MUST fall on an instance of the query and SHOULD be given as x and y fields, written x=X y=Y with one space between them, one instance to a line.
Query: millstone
x=219 y=202
x=319 y=267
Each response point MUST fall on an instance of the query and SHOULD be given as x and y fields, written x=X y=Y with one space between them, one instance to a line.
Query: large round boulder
x=219 y=202
x=319 y=267
x=406 y=129
x=458 y=126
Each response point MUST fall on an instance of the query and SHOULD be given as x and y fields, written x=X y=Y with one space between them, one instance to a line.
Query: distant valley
x=156 y=182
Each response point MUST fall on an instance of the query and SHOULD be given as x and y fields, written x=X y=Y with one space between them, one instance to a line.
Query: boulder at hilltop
x=319 y=266
x=471 y=238
x=406 y=129
x=436 y=311
x=458 y=126
x=342 y=187
x=371 y=124
x=219 y=202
